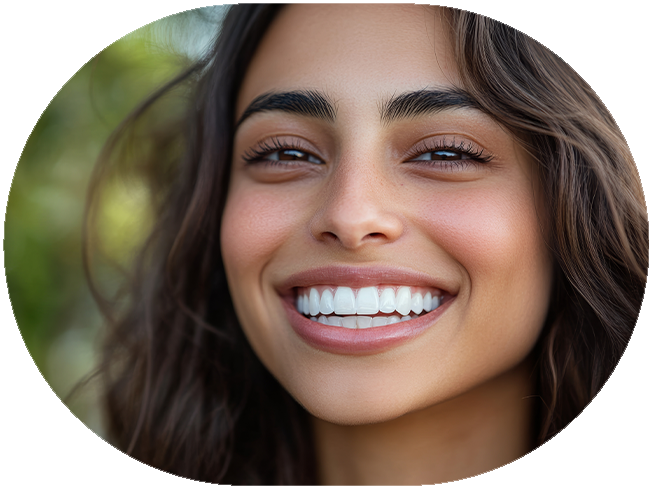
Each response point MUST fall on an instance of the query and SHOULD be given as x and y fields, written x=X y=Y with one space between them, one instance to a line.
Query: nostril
x=354 y=231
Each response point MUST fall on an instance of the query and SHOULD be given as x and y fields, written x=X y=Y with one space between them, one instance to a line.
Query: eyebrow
x=423 y=102
x=303 y=102
x=403 y=106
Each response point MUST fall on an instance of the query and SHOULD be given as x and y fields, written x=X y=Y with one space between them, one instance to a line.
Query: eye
x=278 y=151
x=443 y=155
x=292 y=155
x=449 y=150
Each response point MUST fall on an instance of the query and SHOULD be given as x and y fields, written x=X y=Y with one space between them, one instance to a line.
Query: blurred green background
x=53 y=306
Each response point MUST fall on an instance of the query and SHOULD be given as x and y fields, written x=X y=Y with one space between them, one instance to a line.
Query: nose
x=357 y=209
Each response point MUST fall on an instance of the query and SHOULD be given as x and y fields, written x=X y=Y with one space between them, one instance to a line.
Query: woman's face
x=362 y=171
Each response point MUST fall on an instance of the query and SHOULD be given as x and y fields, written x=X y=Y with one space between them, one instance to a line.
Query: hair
x=182 y=389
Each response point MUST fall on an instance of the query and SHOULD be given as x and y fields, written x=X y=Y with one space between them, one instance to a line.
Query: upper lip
x=356 y=277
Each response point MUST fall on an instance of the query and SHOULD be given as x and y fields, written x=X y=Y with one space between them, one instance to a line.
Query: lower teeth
x=355 y=322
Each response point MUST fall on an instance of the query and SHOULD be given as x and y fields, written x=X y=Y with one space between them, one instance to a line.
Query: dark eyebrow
x=423 y=102
x=303 y=102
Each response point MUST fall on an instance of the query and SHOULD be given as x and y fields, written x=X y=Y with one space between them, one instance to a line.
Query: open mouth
x=366 y=307
x=350 y=310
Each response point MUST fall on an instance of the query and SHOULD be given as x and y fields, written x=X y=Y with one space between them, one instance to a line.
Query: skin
x=452 y=402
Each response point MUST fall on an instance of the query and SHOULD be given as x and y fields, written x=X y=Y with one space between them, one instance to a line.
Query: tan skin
x=454 y=401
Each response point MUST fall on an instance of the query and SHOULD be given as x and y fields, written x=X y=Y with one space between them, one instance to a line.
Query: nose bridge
x=357 y=208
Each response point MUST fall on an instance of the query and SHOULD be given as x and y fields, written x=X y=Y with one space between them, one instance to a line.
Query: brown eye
x=292 y=155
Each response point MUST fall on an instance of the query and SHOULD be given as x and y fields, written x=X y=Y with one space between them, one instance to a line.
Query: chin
x=363 y=410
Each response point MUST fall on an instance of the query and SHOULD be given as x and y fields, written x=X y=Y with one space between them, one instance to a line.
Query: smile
x=366 y=307
x=354 y=310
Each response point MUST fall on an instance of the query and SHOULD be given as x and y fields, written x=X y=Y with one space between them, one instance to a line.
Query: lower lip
x=339 y=340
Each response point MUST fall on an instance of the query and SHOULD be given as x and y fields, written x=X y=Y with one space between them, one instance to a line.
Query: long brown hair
x=183 y=390
x=597 y=220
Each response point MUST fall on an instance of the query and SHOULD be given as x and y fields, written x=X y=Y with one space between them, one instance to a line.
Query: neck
x=475 y=432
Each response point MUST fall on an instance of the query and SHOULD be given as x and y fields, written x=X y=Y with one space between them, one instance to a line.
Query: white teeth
x=305 y=305
x=387 y=304
x=403 y=300
x=416 y=303
x=349 y=322
x=336 y=321
x=326 y=303
x=300 y=303
x=379 y=321
x=363 y=321
x=437 y=301
x=344 y=302
x=314 y=302
x=367 y=301
x=427 y=302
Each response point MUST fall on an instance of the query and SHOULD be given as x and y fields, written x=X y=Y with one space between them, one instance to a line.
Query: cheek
x=494 y=236
x=489 y=231
x=254 y=225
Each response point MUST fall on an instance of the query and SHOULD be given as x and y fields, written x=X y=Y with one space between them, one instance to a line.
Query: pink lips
x=356 y=277
x=339 y=340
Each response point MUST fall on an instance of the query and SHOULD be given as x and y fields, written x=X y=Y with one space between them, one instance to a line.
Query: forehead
x=355 y=53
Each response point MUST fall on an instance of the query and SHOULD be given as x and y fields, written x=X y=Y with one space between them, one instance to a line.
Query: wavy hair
x=182 y=389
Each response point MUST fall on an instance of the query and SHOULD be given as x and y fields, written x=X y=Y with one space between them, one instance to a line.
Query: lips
x=358 y=277
x=353 y=334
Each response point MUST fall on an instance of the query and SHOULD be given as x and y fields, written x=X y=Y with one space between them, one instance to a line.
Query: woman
x=454 y=190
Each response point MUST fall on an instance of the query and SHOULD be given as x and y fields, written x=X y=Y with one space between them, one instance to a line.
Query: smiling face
x=362 y=170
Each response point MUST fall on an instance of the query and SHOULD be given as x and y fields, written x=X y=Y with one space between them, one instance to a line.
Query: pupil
x=291 y=155
x=445 y=155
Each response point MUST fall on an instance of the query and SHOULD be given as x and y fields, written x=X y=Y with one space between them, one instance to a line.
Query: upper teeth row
x=368 y=301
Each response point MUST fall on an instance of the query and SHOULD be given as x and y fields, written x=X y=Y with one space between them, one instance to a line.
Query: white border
x=45 y=43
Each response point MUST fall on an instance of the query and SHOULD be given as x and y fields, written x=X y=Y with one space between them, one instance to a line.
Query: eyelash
x=259 y=153
x=474 y=156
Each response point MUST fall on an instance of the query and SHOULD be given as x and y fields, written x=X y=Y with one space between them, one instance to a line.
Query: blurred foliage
x=54 y=309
